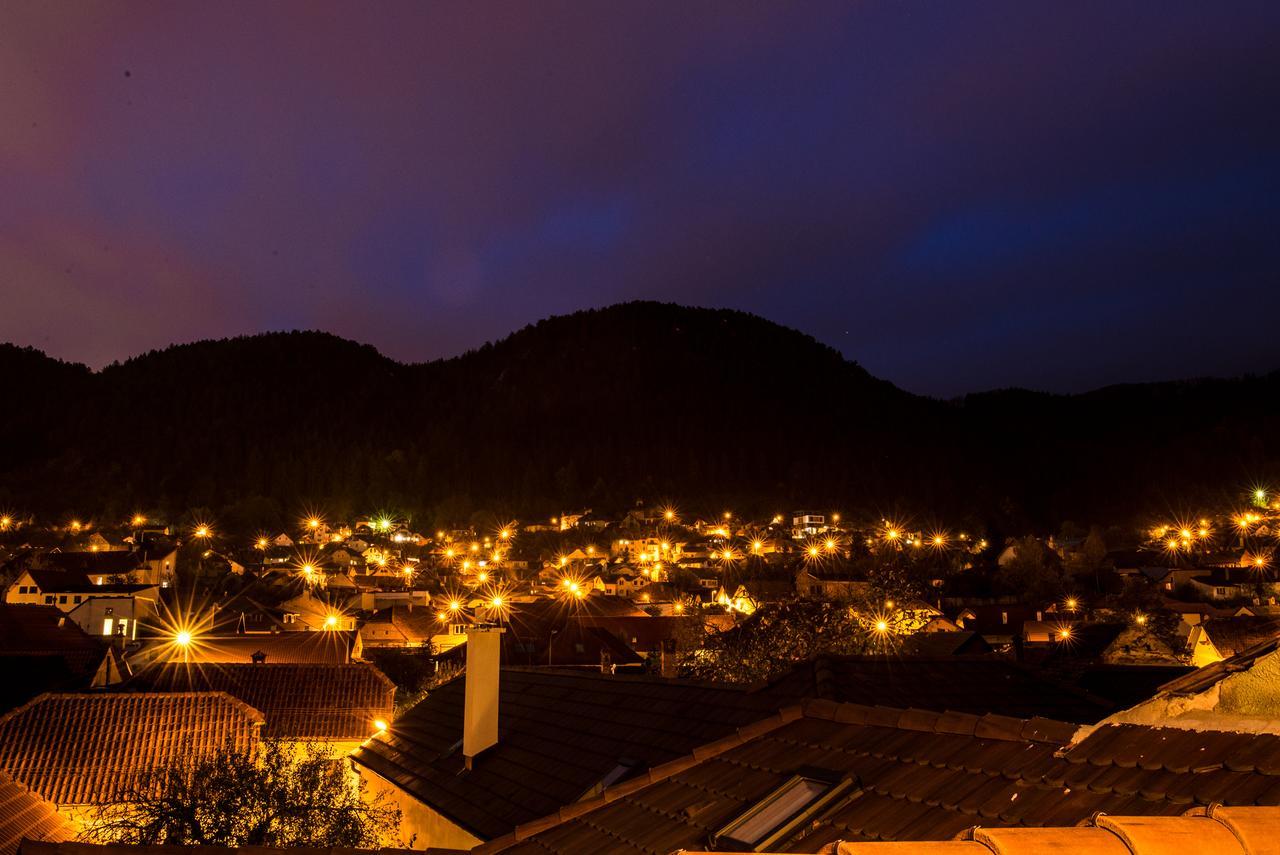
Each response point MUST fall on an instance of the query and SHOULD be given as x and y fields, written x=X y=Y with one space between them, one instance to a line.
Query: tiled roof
x=918 y=776
x=23 y=814
x=560 y=734
x=955 y=683
x=299 y=701
x=329 y=646
x=1234 y=634
x=1218 y=831
x=86 y=749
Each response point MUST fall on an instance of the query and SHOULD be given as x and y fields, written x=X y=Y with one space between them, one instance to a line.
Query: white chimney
x=480 y=704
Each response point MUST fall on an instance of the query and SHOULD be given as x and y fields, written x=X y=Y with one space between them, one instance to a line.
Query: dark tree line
x=601 y=408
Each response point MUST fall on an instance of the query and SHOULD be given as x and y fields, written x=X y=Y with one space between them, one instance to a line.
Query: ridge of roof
x=988 y=726
x=252 y=713
x=654 y=775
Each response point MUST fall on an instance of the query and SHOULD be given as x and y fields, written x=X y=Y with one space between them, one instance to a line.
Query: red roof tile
x=23 y=814
x=300 y=701
x=77 y=749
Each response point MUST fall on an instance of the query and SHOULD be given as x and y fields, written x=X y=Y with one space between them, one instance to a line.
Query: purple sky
x=959 y=195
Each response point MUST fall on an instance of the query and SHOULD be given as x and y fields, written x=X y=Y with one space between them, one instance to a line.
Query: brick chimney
x=480 y=709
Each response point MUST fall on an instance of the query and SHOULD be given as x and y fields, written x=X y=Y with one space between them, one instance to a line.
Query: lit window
x=108 y=626
x=767 y=823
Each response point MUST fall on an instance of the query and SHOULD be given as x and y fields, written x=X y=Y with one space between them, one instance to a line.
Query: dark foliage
x=278 y=795
x=600 y=408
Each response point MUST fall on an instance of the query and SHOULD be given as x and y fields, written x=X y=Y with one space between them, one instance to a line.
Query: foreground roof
x=299 y=700
x=914 y=776
x=1215 y=831
x=955 y=683
x=561 y=733
x=76 y=749
x=23 y=814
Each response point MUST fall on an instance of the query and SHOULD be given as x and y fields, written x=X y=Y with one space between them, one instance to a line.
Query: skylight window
x=782 y=811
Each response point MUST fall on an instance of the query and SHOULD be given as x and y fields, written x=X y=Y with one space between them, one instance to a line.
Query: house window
x=108 y=625
x=77 y=598
x=62 y=599
x=769 y=820
x=22 y=589
x=48 y=600
x=1004 y=617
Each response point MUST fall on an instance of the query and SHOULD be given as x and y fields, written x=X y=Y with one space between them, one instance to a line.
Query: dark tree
x=272 y=796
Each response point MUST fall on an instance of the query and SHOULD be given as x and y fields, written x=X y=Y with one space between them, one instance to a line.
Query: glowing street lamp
x=203 y=532
x=331 y=622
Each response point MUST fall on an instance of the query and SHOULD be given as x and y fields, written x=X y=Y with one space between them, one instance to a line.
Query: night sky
x=959 y=195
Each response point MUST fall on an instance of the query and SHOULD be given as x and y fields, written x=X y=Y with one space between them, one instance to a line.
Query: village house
x=830 y=583
x=407 y=626
x=1237 y=583
x=101 y=608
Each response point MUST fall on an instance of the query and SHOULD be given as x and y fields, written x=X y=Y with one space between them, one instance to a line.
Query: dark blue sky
x=959 y=195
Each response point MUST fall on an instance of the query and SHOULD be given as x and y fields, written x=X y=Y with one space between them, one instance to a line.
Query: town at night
x=560 y=428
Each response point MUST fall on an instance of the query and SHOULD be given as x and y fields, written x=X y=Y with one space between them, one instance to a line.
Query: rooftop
x=299 y=700
x=75 y=749
x=911 y=775
x=561 y=733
